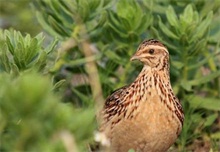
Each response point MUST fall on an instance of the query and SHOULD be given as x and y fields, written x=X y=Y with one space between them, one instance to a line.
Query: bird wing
x=113 y=104
x=116 y=97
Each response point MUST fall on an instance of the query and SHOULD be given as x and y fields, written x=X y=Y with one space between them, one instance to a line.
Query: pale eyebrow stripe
x=157 y=47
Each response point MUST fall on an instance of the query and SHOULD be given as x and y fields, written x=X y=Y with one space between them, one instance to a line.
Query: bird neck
x=148 y=71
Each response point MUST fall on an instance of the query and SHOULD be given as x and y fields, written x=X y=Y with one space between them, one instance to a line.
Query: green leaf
x=204 y=79
x=203 y=26
x=83 y=10
x=81 y=61
x=82 y=96
x=188 y=14
x=4 y=61
x=209 y=103
x=146 y=21
x=127 y=9
x=19 y=56
x=102 y=20
x=167 y=31
x=203 y=61
x=41 y=61
x=9 y=44
x=40 y=38
x=58 y=27
x=59 y=84
x=51 y=46
x=177 y=64
x=171 y=17
x=115 y=24
x=197 y=48
x=210 y=119
x=26 y=40
x=65 y=6
x=173 y=47
x=31 y=50
x=114 y=57
x=186 y=85
x=214 y=34
x=125 y=24
x=44 y=23
x=156 y=32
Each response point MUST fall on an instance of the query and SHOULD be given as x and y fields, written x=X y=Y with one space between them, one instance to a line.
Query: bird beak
x=136 y=56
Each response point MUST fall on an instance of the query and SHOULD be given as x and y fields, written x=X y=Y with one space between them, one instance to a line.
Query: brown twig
x=91 y=69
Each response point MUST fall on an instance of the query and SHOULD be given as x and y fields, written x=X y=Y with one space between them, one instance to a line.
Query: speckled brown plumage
x=145 y=115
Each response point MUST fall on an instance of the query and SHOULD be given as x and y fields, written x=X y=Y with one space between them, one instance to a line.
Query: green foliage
x=97 y=39
x=61 y=18
x=18 y=53
x=187 y=36
x=34 y=119
x=128 y=21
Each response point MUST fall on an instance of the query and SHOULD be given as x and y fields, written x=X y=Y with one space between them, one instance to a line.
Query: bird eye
x=151 y=51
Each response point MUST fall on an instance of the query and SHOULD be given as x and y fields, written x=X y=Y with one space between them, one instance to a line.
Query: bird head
x=152 y=53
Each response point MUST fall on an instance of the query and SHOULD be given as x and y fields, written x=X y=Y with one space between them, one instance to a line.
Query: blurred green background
x=60 y=59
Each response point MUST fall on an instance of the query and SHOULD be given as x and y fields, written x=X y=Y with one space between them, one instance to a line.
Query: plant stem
x=91 y=69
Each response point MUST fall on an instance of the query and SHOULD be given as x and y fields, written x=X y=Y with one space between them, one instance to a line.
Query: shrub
x=96 y=40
